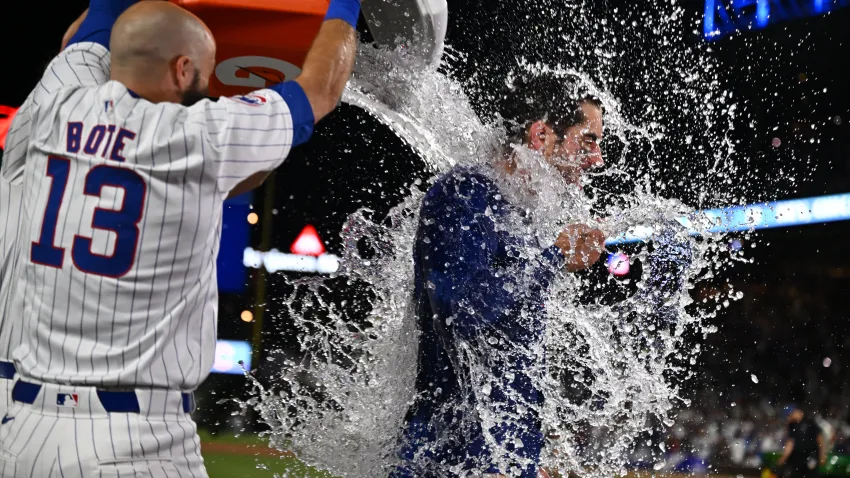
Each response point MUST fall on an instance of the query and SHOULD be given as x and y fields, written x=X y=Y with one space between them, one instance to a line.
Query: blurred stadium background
x=786 y=341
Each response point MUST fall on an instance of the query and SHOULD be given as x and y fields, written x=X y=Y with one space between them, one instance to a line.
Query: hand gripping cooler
x=263 y=42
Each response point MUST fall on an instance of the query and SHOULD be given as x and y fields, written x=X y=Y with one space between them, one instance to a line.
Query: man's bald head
x=162 y=52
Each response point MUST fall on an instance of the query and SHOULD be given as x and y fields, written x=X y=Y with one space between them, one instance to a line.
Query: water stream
x=610 y=370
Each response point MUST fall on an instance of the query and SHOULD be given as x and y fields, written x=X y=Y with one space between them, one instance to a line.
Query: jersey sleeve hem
x=300 y=109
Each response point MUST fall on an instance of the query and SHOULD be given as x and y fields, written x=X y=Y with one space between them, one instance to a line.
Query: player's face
x=577 y=149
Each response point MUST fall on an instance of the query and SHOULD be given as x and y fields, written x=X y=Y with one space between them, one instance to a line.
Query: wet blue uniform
x=479 y=293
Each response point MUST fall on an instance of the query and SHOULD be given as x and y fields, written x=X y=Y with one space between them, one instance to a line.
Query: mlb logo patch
x=251 y=99
x=67 y=400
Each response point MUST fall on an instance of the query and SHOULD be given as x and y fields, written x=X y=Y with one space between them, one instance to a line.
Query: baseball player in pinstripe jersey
x=124 y=167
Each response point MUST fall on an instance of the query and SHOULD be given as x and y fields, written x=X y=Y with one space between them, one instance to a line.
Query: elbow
x=324 y=96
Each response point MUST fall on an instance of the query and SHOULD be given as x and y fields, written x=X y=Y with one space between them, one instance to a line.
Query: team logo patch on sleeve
x=67 y=400
x=252 y=99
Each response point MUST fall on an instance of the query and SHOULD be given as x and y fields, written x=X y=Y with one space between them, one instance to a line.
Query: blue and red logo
x=67 y=400
x=252 y=99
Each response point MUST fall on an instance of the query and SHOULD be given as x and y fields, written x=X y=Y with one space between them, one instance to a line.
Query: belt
x=7 y=370
x=112 y=401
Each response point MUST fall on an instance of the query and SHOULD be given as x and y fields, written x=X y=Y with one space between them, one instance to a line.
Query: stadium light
x=229 y=354
x=724 y=17
x=792 y=212
x=787 y=213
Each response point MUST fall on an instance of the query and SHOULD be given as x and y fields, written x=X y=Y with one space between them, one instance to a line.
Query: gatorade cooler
x=263 y=42
x=260 y=42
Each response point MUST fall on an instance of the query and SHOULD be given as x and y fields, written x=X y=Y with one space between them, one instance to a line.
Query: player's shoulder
x=463 y=183
x=95 y=50
x=80 y=64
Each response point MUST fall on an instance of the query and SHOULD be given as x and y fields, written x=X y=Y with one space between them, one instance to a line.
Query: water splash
x=608 y=369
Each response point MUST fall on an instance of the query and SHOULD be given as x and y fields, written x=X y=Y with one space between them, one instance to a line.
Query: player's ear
x=184 y=72
x=538 y=134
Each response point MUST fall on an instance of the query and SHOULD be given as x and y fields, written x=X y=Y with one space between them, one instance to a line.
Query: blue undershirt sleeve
x=303 y=119
x=97 y=26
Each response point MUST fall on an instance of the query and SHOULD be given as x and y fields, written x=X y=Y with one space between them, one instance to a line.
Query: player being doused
x=482 y=277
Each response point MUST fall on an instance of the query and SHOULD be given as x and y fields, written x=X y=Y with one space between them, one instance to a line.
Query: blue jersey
x=479 y=293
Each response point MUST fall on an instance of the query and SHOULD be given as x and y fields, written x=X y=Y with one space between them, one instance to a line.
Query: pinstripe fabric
x=46 y=441
x=10 y=303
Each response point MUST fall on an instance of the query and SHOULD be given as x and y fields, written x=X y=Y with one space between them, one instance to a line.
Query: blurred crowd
x=783 y=343
x=741 y=435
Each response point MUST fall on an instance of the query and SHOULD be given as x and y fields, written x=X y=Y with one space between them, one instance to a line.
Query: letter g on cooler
x=253 y=72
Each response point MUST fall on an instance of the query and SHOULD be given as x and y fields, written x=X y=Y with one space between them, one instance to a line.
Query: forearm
x=96 y=24
x=789 y=447
x=328 y=65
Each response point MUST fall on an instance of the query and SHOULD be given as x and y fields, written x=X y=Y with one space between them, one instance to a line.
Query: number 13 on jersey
x=123 y=222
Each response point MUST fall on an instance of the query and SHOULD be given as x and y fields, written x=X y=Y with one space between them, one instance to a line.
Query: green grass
x=246 y=439
x=251 y=460
x=220 y=465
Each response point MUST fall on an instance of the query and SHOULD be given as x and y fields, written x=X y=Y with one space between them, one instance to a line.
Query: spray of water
x=609 y=370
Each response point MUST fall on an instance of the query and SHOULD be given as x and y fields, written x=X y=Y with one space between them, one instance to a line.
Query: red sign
x=6 y=115
x=308 y=243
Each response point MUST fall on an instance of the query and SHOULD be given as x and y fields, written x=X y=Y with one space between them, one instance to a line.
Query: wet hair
x=554 y=99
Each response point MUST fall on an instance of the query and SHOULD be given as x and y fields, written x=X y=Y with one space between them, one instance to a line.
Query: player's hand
x=582 y=246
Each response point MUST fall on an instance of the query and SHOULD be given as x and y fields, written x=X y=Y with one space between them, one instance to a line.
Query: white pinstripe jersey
x=10 y=304
x=121 y=222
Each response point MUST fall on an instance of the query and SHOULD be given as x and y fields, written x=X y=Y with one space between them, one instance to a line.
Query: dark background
x=790 y=84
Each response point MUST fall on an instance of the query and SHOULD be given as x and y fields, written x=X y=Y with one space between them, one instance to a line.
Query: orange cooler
x=260 y=42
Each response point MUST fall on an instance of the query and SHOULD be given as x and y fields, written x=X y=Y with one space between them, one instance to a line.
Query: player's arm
x=95 y=25
x=465 y=255
x=84 y=59
x=821 y=449
x=667 y=267
x=317 y=91
x=468 y=285
x=16 y=143
x=786 y=452
x=331 y=58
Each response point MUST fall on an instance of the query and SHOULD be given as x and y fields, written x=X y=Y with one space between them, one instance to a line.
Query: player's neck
x=143 y=88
